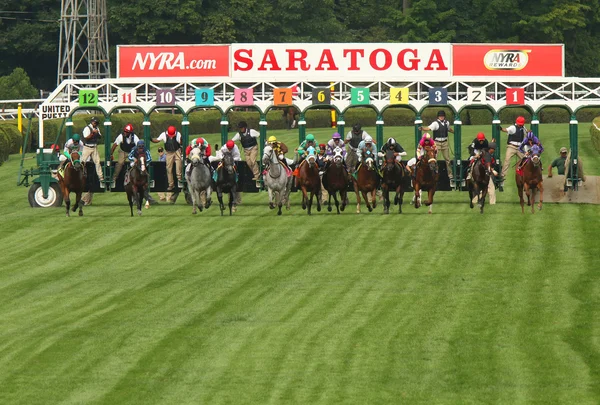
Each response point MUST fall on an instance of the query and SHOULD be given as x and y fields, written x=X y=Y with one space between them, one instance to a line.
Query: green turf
x=454 y=307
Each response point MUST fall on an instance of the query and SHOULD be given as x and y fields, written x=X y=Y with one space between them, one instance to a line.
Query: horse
x=72 y=180
x=393 y=175
x=138 y=184
x=529 y=178
x=289 y=116
x=366 y=182
x=426 y=178
x=277 y=179
x=199 y=180
x=226 y=182
x=477 y=185
x=309 y=181
x=335 y=179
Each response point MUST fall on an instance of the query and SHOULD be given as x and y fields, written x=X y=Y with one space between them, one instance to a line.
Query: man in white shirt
x=91 y=136
x=172 y=140
x=441 y=128
x=516 y=134
x=126 y=141
x=249 y=140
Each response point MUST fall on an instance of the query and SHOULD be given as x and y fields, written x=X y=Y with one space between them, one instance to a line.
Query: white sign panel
x=476 y=94
x=344 y=61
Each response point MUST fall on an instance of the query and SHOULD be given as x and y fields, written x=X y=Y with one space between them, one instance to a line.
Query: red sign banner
x=507 y=60
x=173 y=61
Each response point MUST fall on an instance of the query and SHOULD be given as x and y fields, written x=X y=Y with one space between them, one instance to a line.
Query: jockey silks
x=247 y=140
x=441 y=134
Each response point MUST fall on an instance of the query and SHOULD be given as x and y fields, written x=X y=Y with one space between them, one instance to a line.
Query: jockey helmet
x=426 y=135
x=356 y=128
x=391 y=141
x=492 y=145
x=310 y=138
x=441 y=113
x=230 y=144
x=141 y=144
x=480 y=136
x=171 y=131
x=322 y=146
x=336 y=136
x=242 y=124
x=75 y=138
x=530 y=136
x=94 y=119
x=368 y=139
x=272 y=139
x=128 y=128
x=520 y=121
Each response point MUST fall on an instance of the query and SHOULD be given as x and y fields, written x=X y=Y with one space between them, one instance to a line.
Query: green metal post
x=301 y=128
x=263 y=139
x=457 y=166
x=107 y=163
x=185 y=141
x=418 y=123
x=224 y=129
x=340 y=125
x=496 y=135
x=535 y=125
x=147 y=138
x=379 y=130
x=69 y=128
x=574 y=145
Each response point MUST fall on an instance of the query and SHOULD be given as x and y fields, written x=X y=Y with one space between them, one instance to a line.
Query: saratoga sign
x=345 y=61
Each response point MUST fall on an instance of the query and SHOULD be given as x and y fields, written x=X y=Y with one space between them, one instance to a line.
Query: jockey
x=231 y=147
x=135 y=153
x=368 y=148
x=426 y=141
x=280 y=150
x=309 y=141
x=198 y=143
x=335 y=142
x=395 y=147
x=479 y=144
x=526 y=145
x=73 y=144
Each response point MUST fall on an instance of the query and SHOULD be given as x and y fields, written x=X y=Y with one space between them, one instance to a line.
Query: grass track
x=453 y=307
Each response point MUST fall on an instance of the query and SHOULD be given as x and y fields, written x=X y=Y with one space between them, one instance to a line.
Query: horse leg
x=541 y=189
x=78 y=203
x=195 y=199
x=430 y=194
x=220 y=197
x=304 y=197
x=532 y=193
x=140 y=201
x=337 y=203
x=482 y=201
x=398 y=198
x=417 y=197
x=232 y=195
x=310 y=200
x=280 y=196
x=271 y=205
x=374 y=198
x=386 y=199
x=357 y=198
x=366 y=198
x=344 y=198
x=329 y=208
x=318 y=193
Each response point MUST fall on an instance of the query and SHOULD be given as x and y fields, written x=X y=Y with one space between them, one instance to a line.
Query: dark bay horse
x=289 y=116
x=529 y=178
x=138 y=184
x=72 y=180
x=227 y=182
x=480 y=179
x=335 y=180
x=366 y=182
x=310 y=182
x=393 y=175
x=427 y=176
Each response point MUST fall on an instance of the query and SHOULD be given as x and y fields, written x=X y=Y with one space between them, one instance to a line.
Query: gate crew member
x=248 y=139
x=440 y=128
x=172 y=141
x=91 y=136
x=516 y=134
x=126 y=141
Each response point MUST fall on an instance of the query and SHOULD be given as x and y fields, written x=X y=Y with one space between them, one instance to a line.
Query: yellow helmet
x=272 y=139
x=427 y=135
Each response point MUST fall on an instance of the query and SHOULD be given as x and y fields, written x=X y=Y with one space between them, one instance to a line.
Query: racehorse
x=366 y=182
x=530 y=179
x=335 y=179
x=426 y=178
x=278 y=180
x=289 y=116
x=309 y=181
x=138 y=184
x=480 y=178
x=72 y=180
x=199 y=180
x=393 y=175
x=227 y=182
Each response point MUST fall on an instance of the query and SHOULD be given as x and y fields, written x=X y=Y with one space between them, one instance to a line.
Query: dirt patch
x=587 y=193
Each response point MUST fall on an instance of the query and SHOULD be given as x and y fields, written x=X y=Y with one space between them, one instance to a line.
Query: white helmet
x=368 y=139
x=391 y=141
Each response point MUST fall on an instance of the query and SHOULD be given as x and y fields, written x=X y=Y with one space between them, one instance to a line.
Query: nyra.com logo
x=498 y=59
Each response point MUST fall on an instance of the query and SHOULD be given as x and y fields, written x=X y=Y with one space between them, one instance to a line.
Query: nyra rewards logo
x=506 y=59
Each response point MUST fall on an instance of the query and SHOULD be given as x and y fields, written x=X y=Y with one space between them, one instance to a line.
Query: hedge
x=10 y=141
x=595 y=133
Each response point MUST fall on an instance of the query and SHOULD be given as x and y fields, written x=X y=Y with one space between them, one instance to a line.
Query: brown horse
x=138 y=184
x=72 y=180
x=289 y=116
x=366 y=182
x=335 y=179
x=427 y=176
x=393 y=174
x=480 y=179
x=529 y=178
x=309 y=181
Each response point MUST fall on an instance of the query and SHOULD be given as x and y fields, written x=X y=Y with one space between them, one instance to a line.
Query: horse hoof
x=279 y=212
x=329 y=208
x=194 y=211
x=68 y=215
x=370 y=209
x=471 y=205
x=318 y=208
x=80 y=213
x=140 y=213
x=342 y=208
x=272 y=206
x=303 y=206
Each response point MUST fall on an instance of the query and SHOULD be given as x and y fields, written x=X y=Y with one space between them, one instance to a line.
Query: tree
x=17 y=86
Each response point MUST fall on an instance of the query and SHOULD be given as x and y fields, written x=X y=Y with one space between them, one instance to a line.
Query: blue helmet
x=141 y=144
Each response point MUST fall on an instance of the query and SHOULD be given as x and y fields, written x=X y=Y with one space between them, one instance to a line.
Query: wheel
x=36 y=196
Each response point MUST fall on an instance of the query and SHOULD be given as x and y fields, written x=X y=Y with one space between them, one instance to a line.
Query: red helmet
x=230 y=144
x=520 y=121
x=171 y=131
x=481 y=136
x=128 y=128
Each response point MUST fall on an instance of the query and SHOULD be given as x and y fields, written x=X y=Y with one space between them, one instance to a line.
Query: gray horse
x=199 y=180
x=277 y=180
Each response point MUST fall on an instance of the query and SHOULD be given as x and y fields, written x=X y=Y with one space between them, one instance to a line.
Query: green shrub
x=10 y=141
x=595 y=133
